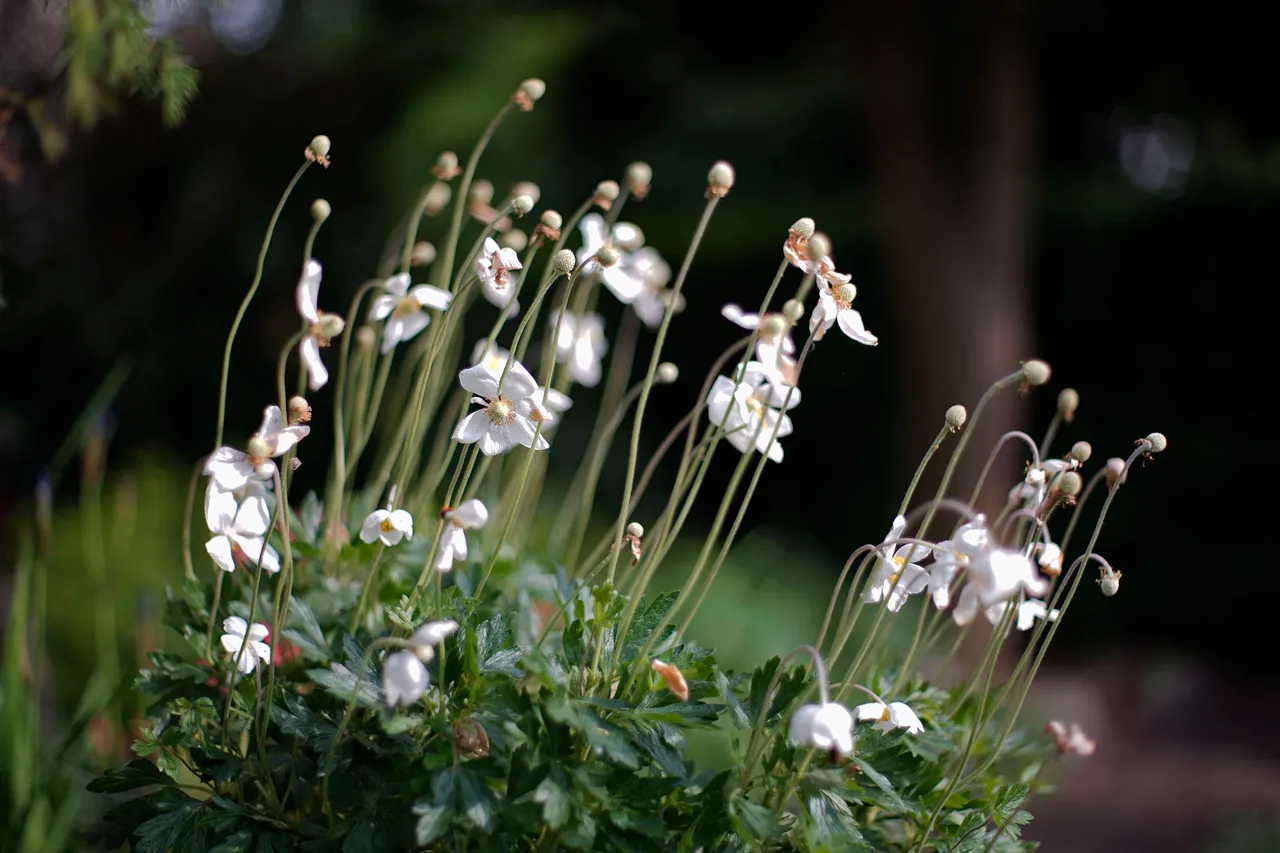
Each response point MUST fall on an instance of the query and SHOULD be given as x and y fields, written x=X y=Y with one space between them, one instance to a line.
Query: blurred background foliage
x=1092 y=184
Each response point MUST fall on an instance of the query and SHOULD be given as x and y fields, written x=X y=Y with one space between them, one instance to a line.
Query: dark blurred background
x=1094 y=184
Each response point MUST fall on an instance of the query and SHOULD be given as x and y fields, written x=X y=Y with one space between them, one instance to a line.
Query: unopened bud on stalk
x=437 y=199
x=607 y=256
x=299 y=410
x=606 y=194
x=563 y=261
x=521 y=204
x=635 y=529
x=530 y=91
x=639 y=176
x=667 y=373
x=1157 y=441
x=446 y=167
x=719 y=179
x=819 y=246
x=1115 y=471
x=258 y=448
x=513 y=238
x=319 y=145
x=1068 y=401
x=528 y=188
x=366 y=337
x=955 y=417
x=793 y=309
x=1081 y=451
x=1109 y=582
x=331 y=325
x=552 y=219
x=1036 y=372
x=423 y=253
x=481 y=191
x=802 y=228
x=774 y=325
x=320 y=210
x=1070 y=483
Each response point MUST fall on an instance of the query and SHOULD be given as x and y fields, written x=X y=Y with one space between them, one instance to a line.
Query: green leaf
x=475 y=801
x=650 y=740
x=493 y=635
x=303 y=630
x=892 y=800
x=504 y=661
x=737 y=712
x=753 y=821
x=166 y=830
x=554 y=800
x=432 y=822
x=833 y=822
x=236 y=842
x=136 y=774
x=572 y=645
x=646 y=620
x=341 y=682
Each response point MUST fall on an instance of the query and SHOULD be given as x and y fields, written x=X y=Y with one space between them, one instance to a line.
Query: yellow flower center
x=884 y=716
x=899 y=562
x=406 y=306
x=386 y=525
x=501 y=412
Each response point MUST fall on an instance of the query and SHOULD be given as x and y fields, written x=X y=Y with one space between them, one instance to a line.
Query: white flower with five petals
x=581 y=345
x=895 y=715
x=828 y=726
x=404 y=674
x=751 y=410
x=835 y=306
x=391 y=526
x=493 y=266
x=510 y=410
x=323 y=326
x=548 y=401
x=896 y=574
x=232 y=469
x=470 y=515
x=240 y=635
x=402 y=307
x=994 y=577
x=239 y=529
x=623 y=279
x=952 y=555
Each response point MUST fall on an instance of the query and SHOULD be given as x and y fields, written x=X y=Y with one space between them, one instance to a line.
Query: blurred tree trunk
x=949 y=91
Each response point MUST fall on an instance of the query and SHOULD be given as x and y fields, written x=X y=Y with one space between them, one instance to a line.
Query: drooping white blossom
x=390 y=526
x=750 y=409
x=240 y=635
x=952 y=555
x=239 y=528
x=233 y=469
x=896 y=574
x=510 y=410
x=494 y=265
x=895 y=715
x=827 y=726
x=404 y=679
x=323 y=326
x=835 y=306
x=774 y=347
x=581 y=345
x=1028 y=612
x=403 y=307
x=996 y=576
x=470 y=515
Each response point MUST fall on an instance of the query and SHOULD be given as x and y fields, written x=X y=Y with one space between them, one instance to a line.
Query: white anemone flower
x=1028 y=612
x=510 y=410
x=654 y=274
x=895 y=715
x=233 y=469
x=470 y=515
x=623 y=279
x=240 y=635
x=402 y=307
x=994 y=577
x=774 y=347
x=426 y=637
x=753 y=407
x=581 y=345
x=323 y=326
x=896 y=574
x=391 y=526
x=951 y=555
x=494 y=265
x=493 y=357
x=239 y=530
x=828 y=726
x=835 y=306
x=404 y=679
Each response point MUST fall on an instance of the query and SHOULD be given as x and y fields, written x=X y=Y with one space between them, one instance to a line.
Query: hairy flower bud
x=774 y=325
x=258 y=448
x=639 y=176
x=802 y=228
x=320 y=210
x=1115 y=471
x=1081 y=451
x=719 y=179
x=563 y=261
x=1070 y=483
x=299 y=410
x=423 y=253
x=530 y=91
x=552 y=220
x=528 y=188
x=446 y=167
x=330 y=325
x=635 y=529
x=606 y=194
x=521 y=204
x=319 y=146
x=667 y=373
x=1157 y=441
x=607 y=256
x=955 y=417
x=1110 y=583
x=366 y=337
x=438 y=195
x=1068 y=401
x=793 y=309
x=513 y=238
x=481 y=191
x=819 y=246
x=1036 y=372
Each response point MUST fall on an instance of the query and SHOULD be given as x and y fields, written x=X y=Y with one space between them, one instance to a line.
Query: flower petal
x=382 y=307
x=518 y=383
x=372 y=527
x=429 y=296
x=309 y=353
x=308 y=291
x=398 y=285
x=219 y=508
x=472 y=428
x=734 y=314
x=219 y=548
x=482 y=379
x=851 y=324
x=470 y=514
x=401 y=520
